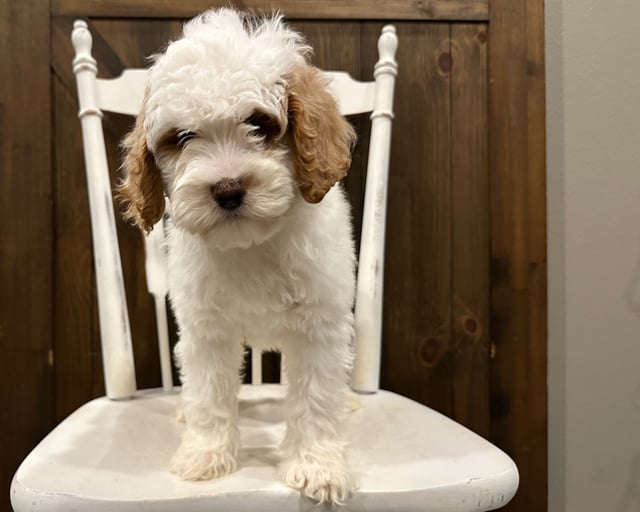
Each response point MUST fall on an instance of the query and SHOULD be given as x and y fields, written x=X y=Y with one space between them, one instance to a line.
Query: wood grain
x=134 y=41
x=518 y=261
x=77 y=356
x=301 y=9
x=537 y=247
x=417 y=354
x=470 y=226
x=26 y=248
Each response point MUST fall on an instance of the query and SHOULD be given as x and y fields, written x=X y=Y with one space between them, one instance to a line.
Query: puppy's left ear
x=321 y=138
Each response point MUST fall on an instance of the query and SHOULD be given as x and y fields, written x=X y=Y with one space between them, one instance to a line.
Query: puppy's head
x=236 y=127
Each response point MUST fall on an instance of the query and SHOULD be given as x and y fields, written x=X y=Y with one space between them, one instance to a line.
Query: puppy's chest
x=256 y=284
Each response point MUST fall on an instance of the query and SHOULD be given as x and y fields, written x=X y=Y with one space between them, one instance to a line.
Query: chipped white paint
x=368 y=312
x=117 y=354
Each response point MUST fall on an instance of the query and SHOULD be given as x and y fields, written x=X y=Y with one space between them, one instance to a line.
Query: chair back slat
x=353 y=96
x=125 y=94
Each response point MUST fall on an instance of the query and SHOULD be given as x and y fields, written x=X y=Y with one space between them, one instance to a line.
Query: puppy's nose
x=228 y=193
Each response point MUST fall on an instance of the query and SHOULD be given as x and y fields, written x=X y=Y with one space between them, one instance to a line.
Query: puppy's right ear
x=140 y=190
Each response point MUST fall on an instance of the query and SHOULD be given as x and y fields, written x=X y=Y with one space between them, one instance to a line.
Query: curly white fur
x=224 y=66
x=275 y=273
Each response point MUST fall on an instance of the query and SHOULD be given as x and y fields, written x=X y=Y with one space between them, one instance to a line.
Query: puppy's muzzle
x=228 y=193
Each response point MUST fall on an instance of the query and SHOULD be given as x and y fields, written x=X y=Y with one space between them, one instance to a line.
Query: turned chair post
x=368 y=312
x=115 y=333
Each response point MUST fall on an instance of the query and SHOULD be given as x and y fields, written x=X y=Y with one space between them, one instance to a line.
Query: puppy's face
x=236 y=127
x=228 y=179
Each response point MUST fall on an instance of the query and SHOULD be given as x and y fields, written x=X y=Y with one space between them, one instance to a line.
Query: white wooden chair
x=112 y=454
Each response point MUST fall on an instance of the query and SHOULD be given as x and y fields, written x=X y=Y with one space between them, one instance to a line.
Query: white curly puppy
x=242 y=135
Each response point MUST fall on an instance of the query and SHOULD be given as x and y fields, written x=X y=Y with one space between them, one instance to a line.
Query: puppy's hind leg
x=210 y=383
x=313 y=451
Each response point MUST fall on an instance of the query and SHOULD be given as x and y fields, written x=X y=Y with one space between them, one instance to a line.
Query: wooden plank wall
x=518 y=277
x=26 y=250
x=465 y=283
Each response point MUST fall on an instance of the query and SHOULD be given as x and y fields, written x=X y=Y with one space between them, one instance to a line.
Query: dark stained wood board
x=26 y=233
x=518 y=383
x=301 y=9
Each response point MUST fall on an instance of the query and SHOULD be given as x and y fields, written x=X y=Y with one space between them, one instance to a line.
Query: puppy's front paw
x=201 y=463
x=321 y=477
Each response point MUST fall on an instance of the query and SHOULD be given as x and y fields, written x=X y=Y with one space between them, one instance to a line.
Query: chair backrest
x=124 y=94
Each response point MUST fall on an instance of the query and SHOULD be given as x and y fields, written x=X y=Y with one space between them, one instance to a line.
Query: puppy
x=242 y=135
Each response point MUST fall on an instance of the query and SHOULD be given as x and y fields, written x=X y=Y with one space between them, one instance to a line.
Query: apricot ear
x=140 y=190
x=321 y=138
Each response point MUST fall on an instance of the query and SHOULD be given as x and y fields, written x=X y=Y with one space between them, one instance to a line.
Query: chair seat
x=113 y=455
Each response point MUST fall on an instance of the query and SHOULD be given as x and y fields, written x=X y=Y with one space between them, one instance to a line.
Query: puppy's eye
x=263 y=125
x=184 y=136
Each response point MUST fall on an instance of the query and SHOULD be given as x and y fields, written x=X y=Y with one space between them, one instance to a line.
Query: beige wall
x=593 y=137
